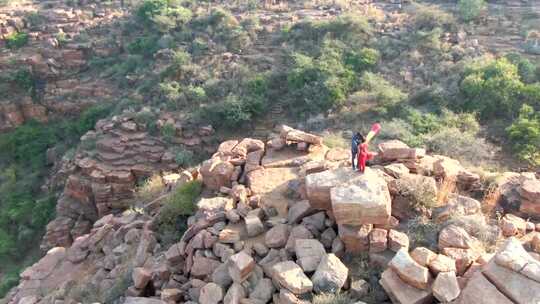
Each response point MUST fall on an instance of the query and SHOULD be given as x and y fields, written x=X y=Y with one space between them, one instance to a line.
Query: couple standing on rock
x=359 y=148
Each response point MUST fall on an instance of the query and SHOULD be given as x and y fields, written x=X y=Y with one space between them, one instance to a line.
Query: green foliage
x=168 y=131
x=172 y=216
x=9 y=280
x=230 y=113
x=525 y=135
x=492 y=89
x=380 y=90
x=352 y=29
x=184 y=158
x=317 y=84
x=470 y=9
x=526 y=69
x=61 y=38
x=428 y=17
x=145 y=46
x=224 y=28
x=23 y=79
x=34 y=19
x=16 y=40
x=363 y=60
x=150 y=8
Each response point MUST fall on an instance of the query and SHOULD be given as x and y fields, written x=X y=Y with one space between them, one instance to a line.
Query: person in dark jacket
x=357 y=139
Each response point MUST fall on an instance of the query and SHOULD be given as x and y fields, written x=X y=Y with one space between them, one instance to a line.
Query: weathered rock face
x=114 y=246
x=105 y=180
x=364 y=201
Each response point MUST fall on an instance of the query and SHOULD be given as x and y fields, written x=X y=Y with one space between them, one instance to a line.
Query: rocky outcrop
x=252 y=241
x=121 y=152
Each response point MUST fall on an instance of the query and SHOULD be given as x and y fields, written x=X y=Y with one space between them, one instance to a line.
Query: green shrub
x=150 y=8
x=230 y=113
x=172 y=18
x=491 y=89
x=34 y=19
x=16 y=40
x=23 y=79
x=380 y=90
x=470 y=9
x=525 y=135
x=173 y=215
x=428 y=17
x=145 y=46
x=352 y=29
x=463 y=146
x=363 y=60
x=317 y=84
x=526 y=69
x=9 y=280
x=184 y=158
x=168 y=131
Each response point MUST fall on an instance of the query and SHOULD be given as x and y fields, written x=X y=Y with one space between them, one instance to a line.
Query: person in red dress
x=363 y=156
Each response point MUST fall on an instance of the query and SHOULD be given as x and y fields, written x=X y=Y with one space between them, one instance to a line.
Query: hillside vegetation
x=241 y=65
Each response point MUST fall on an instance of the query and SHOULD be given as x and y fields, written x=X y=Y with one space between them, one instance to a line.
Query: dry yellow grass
x=446 y=187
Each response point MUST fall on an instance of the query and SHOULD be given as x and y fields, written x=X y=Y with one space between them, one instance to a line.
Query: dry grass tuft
x=335 y=140
x=446 y=187
x=151 y=188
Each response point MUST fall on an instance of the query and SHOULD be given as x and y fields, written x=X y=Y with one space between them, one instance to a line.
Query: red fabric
x=363 y=156
x=376 y=128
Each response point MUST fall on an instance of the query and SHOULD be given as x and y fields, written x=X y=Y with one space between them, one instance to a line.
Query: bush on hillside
x=428 y=17
x=232 y=112
x=526 y=69
x=24 y=80
x=380 y=90
x=353 y=30
x=525 y=135
x=173 y=215
x=470 y=9
x=491 y=89
x=16 y=40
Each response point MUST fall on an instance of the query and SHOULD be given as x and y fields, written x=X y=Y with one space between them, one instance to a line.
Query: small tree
x=525 y=135
x=470 y=9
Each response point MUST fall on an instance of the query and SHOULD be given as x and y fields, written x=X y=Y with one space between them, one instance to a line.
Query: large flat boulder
x=515 y=273
x=480 y=291
x=365 y=201
x=398 y=150
x=290 y=276
x=318 y=185
x=401 y=292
